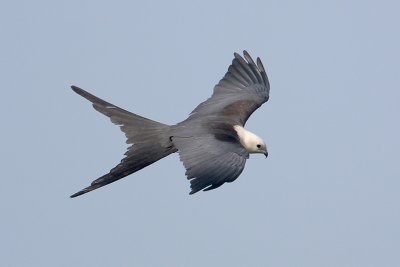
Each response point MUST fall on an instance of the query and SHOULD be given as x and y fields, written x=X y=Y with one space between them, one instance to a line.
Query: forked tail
x=150 y=141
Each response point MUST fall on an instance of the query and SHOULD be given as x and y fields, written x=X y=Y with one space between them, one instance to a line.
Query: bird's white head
x=250 y=141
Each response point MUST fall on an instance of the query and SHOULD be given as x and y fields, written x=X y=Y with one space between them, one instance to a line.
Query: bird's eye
x=258 y=146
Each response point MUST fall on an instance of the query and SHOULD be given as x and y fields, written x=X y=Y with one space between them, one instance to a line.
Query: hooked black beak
x=266 y=154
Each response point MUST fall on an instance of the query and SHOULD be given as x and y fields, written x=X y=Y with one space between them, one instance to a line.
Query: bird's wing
x=210 y=162
x=243 y=89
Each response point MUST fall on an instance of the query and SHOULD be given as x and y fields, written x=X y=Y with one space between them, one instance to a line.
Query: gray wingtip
x=260 y=65
x=245 y=54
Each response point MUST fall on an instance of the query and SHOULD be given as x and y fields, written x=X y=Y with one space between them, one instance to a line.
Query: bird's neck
x=246 y=138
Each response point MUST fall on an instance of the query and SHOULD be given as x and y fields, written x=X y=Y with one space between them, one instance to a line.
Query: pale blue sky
x=328 y=194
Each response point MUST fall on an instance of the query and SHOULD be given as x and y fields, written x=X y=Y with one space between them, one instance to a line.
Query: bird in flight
x=212 y=142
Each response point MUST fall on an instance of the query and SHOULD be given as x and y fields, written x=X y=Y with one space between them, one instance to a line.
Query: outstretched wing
x=210 y=162
x=243 y=89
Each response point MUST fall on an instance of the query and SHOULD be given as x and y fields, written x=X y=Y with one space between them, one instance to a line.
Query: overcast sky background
x=328 y=194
